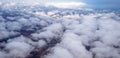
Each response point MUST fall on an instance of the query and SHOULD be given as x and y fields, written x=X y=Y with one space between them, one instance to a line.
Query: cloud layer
x=90 y=3
x=66 y=5
x=37 y=31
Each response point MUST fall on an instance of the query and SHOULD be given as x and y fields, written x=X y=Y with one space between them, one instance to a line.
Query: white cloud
x=59 y=52
x=66 y=5
x=81 y=35
x=18 y=49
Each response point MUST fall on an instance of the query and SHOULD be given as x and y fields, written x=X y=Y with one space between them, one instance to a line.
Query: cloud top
x=66 y=5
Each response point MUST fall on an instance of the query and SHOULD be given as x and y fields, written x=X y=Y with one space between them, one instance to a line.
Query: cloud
x=18 y=49
x=66 y=5
x=59 y=52
x=75 y=34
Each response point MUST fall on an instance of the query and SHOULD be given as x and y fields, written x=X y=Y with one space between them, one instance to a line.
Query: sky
x=91 y=3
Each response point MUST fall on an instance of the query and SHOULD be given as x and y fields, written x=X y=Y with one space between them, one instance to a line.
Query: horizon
x=86 y=3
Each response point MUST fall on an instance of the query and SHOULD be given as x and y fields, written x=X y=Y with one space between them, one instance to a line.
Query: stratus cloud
x=66 y=5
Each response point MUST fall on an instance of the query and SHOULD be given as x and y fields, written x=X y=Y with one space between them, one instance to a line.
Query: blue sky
x=93 y=3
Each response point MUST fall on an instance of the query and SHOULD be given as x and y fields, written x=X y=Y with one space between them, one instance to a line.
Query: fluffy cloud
x=18 y=49
x=56 y=33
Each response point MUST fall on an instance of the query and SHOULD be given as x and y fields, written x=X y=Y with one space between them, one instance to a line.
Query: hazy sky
x=93 y=3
